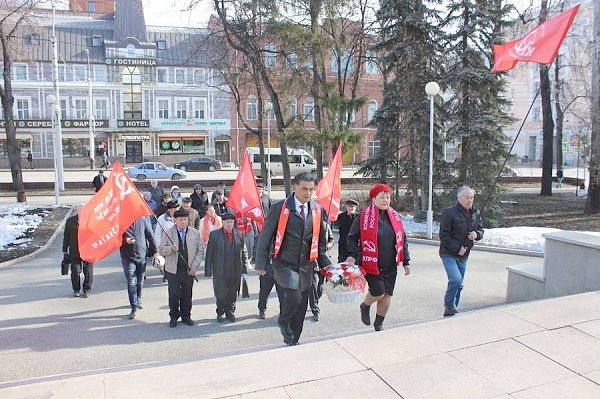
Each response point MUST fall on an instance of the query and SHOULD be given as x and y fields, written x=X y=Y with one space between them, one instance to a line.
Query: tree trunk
x=548 y=121
x=560 y=115
x=593 y=199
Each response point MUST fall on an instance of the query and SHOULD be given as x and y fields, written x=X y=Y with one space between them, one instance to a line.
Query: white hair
x=463 y=190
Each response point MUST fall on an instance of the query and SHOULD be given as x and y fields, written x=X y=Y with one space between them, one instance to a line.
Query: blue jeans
x=455 y=269
x=134 y=272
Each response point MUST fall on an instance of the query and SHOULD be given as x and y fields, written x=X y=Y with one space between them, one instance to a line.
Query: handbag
x=65 y=265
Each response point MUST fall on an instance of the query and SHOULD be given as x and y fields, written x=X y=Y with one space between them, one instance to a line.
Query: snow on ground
x=15 y=221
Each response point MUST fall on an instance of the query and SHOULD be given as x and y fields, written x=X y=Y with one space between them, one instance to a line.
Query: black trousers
x=88 y=275
x=227 y=298
x=180 y=296
x=266 y=286
x=316 y=291
x=294 y=310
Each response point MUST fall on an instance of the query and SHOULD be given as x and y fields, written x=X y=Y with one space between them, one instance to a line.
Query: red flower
x=328 y=275
x=344 y=266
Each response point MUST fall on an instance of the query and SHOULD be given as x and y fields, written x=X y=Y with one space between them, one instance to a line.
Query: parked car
x=155 y=170
x=199 y=163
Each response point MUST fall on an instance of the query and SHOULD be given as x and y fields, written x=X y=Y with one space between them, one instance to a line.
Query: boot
x=449 y=310
x=378 y=324
x=364 y=314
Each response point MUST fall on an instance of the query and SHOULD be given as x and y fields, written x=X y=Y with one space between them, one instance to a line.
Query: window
x=199 y=108
x=80 y=73
x=309 y=109
x=162 y=75
x=199 y=76
x=163 y=108
x=80 y=109
x=181 y=109
x=270 y=55
x=91 y=6
x=169 y=146
x=35 y=39
x=96 y=41
x=100 y=74
x=22 y=145
x=161 y=44
x=373 y=148
x=291 y=61
x=194 y=147
x=371 y=66
x=346 y=62
x=252 y=108
x=352 y=116
x=22 y=108
x=180 y=75
x=131 y=51
x=20 y=72
x=63 y=109
x=101 y=111
x=62 y=73
x=371 y=109
x=132 y=93
x=292 y=107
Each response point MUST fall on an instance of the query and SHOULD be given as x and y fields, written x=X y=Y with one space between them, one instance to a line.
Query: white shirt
x=298 y=203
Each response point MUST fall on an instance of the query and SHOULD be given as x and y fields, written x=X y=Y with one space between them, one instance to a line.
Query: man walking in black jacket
x=138 y=243
x=70 y=247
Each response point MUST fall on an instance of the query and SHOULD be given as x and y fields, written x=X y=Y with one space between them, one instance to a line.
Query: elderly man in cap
x=219 y=202
x=194 y=217
x=180 y=245
x=226 y=262
x=344 y=221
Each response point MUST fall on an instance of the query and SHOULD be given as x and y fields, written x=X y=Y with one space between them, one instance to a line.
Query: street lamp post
x=91 y=125
x=268 y=107
x=58 y=164
x=432 y=89
x=55 y=108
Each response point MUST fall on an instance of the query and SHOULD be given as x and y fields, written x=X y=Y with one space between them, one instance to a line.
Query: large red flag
x=329 y=190
x=540 y=45
x=108 y=214
x=243 y=196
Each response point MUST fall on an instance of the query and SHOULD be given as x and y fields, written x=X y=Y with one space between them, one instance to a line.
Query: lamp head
x=432 y=89
x=51 y=99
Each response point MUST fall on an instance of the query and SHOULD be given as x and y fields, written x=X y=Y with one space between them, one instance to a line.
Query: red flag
x=329 y=190
x=108 y=214
x=540 y=45
x=243 y=196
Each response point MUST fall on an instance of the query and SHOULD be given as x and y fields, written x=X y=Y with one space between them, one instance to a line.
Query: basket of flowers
x=344 y=283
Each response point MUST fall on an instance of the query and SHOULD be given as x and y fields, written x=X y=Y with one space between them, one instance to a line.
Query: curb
x=485 y=248
x=50 y=241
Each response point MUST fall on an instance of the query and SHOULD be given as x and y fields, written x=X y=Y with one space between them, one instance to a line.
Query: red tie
x=302 y=212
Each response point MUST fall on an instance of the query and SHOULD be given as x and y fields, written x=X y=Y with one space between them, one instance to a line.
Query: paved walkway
x=545 y=349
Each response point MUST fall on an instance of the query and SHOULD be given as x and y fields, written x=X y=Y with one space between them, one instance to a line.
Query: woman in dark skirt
x=377 y=243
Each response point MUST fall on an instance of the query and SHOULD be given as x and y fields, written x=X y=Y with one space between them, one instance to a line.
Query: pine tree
x=476 y=108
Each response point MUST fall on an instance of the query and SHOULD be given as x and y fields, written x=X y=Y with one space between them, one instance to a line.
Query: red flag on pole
x=108 y=214
x=329 y=190
x=540 y=45
x=243 y=196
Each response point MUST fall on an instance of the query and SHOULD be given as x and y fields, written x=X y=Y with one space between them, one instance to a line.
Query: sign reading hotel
x=131 y=61
x=191 y=124
x=121 y=123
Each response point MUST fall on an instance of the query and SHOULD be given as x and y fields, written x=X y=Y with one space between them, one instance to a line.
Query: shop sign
x=133 y=123
x=83 y=123
x=192 y=124
x=131 y=61
x=135 y=137
x=30 y=124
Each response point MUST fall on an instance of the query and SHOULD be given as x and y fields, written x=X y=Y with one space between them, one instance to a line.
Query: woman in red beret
x=377 y=243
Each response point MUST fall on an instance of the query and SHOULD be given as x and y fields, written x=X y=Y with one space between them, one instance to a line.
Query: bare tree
x=592 y=205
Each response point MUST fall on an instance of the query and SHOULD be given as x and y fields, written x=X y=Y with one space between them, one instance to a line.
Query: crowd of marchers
x=195 y=232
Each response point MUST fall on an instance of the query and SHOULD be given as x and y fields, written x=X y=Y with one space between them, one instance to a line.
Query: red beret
x=378 y=188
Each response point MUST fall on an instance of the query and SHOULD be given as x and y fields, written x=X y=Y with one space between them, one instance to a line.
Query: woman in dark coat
x=199 y=200
x=377 y=243
x=226 y=261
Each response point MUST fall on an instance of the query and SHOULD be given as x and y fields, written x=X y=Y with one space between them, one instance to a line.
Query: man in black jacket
x=460 y=226
x=344 y=221
x=138 y=243
x=99 y=180
x=70 y=247
x=298 y=248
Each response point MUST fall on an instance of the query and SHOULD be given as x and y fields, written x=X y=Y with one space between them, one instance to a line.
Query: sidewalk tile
x=560 y=312
x=439 y=376
x=591 y=327
x=67 y=388
x=503 y=363
x=595 y=376
x=570 y=388
x=277 y=393
x=410 y=342
x=360 y=385
x=568 y=346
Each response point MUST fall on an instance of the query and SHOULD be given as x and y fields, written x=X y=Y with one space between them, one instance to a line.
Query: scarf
x=369 y=223
x=316 y=230
x=208 y=221
x=244 y=223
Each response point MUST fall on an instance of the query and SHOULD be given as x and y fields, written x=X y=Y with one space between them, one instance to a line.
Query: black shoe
x=364 y=314
x=316 y=317
x=287 y=333
x=262 y=315
x=378 y=324
x=173 y=323
x=188 y=322
x=132 y=314
x=140 y=304
x=449 y=310
x=231 y=317
x=378 y=327
x=86 y=294
x=220 y=318
x=289 y=341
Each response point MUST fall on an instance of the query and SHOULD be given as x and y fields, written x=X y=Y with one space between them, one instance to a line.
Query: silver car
x=155 y=170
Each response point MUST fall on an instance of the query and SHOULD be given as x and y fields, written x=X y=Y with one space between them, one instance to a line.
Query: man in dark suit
x=99 y=180
x=298 y=247
x=70 y=247
x=344 y=221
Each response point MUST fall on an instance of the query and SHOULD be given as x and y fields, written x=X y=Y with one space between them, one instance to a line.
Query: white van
x=299 y=160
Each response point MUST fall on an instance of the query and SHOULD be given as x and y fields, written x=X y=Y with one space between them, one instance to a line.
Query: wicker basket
x=343 y=296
